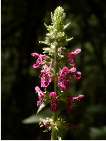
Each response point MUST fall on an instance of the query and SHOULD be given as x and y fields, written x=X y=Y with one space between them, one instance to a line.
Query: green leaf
x=40 y=107
x=31 y=119
x=35 y=118
x=66 y=26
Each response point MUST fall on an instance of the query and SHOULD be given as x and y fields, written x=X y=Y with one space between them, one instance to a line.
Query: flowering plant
x=58 y=68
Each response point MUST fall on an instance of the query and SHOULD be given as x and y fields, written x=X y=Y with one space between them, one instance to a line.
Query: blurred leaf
x=31 y=119
x=98 y=133
x=35 y=118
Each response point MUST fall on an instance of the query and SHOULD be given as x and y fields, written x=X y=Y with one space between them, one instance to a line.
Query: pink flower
x=78 y=98
x=64 y=85
x=54 y=101
x=72 y=56
x=63 y=79
x=64 y=72
x=77 y=74
x=71 y=100
x=36 y=55
x=73 y=70
x=46 y=76
x=77 y=51
x=40 y=60
x=53 y=94
x=41 y=96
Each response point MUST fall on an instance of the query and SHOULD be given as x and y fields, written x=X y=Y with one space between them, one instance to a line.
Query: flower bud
x=41 y=96
x=54 y=101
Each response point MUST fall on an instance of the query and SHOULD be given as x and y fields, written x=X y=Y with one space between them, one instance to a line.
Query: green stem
x=55 y=68
x=54 y=135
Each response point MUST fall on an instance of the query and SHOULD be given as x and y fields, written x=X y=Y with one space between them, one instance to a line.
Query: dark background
x=22 y=25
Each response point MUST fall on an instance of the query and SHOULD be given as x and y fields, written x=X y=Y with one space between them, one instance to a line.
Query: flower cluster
x=56 y=65
x=64 y=76
x=46 y=123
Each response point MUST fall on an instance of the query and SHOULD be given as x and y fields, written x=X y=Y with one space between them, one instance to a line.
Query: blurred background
x=22 y=25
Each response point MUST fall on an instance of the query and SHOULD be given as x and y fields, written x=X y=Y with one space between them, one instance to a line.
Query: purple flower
x=64 y=85
x=77 y=51
x=64 y=72
x=46 y=76
x=63 y=79
x=72 y=56
x=72 y=99
x=73 y=70
x=78 y=98
x=41 y=96
x=35 y=55
x=54 y=101
x=40 y=60
x=53 y=94
x=77 y=74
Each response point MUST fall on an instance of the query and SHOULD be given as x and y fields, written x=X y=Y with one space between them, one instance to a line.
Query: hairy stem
x=54 y=135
